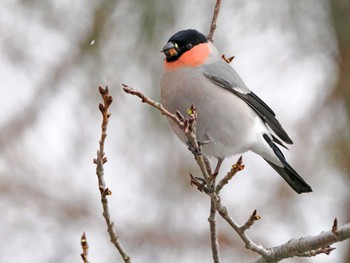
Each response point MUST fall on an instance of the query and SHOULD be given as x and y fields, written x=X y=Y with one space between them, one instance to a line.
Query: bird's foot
x=201 y=184
x=193 y=149
x=197 y=150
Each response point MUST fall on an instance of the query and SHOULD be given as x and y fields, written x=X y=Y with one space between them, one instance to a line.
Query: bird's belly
x=226 y=125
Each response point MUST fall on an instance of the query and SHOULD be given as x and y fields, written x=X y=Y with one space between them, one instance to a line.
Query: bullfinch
x=231 y=119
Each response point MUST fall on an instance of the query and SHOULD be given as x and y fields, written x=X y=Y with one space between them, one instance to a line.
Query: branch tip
x=235 y=168
x=101 y=89
x=85 y=246
x=335 y=226
x=238 y=166
x=328 y=250
x=255 y=215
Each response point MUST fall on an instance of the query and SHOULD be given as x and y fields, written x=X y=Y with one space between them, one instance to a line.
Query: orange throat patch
x=191 y=58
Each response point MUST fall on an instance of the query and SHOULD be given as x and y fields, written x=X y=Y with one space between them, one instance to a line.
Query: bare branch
x=238 y=166
x=214 y=19
x=85 y=246
x=213 y=233
x=307 y=246
x=154 y=104
x=254 y=217
x=99 y=161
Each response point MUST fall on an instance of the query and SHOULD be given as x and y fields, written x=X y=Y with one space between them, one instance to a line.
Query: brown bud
x=107 y=191
x=101 y=107
x=101 y=90
x=109 y=100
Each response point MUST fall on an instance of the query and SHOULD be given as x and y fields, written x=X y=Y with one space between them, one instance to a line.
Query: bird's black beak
x=170 y=50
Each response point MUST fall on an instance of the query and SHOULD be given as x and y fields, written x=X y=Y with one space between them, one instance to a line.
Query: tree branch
x=239 y=166
x=307 y=246
x=213 y=233
x=212 y=217
x=214 y=19
x=99 y=161
x=85 y=246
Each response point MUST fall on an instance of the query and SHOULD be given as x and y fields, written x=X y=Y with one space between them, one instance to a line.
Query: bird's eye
x=189 y=46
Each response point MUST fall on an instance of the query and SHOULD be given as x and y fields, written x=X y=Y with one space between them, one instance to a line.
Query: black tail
x=287 y=172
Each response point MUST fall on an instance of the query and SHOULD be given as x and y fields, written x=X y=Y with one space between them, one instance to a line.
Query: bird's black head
x=181 y=42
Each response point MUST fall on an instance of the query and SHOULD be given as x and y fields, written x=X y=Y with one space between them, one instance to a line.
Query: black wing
x=260 y=107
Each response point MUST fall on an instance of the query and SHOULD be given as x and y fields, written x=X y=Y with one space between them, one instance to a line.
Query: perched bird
x=231 y=118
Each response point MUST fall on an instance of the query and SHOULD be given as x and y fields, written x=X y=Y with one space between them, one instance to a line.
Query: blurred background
x=53 y=55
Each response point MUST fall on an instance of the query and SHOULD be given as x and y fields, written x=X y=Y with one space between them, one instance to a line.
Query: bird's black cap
x=181 y=42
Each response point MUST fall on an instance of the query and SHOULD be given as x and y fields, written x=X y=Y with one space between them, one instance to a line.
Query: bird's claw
x=201 y=184
x=194 y=150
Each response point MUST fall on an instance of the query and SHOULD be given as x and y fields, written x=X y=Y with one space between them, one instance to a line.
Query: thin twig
x=213 y=21
x=85 y=246
x=154 y=104
x=99 y=161
x=238 y=166
x=213 y=234
x=254 y=217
